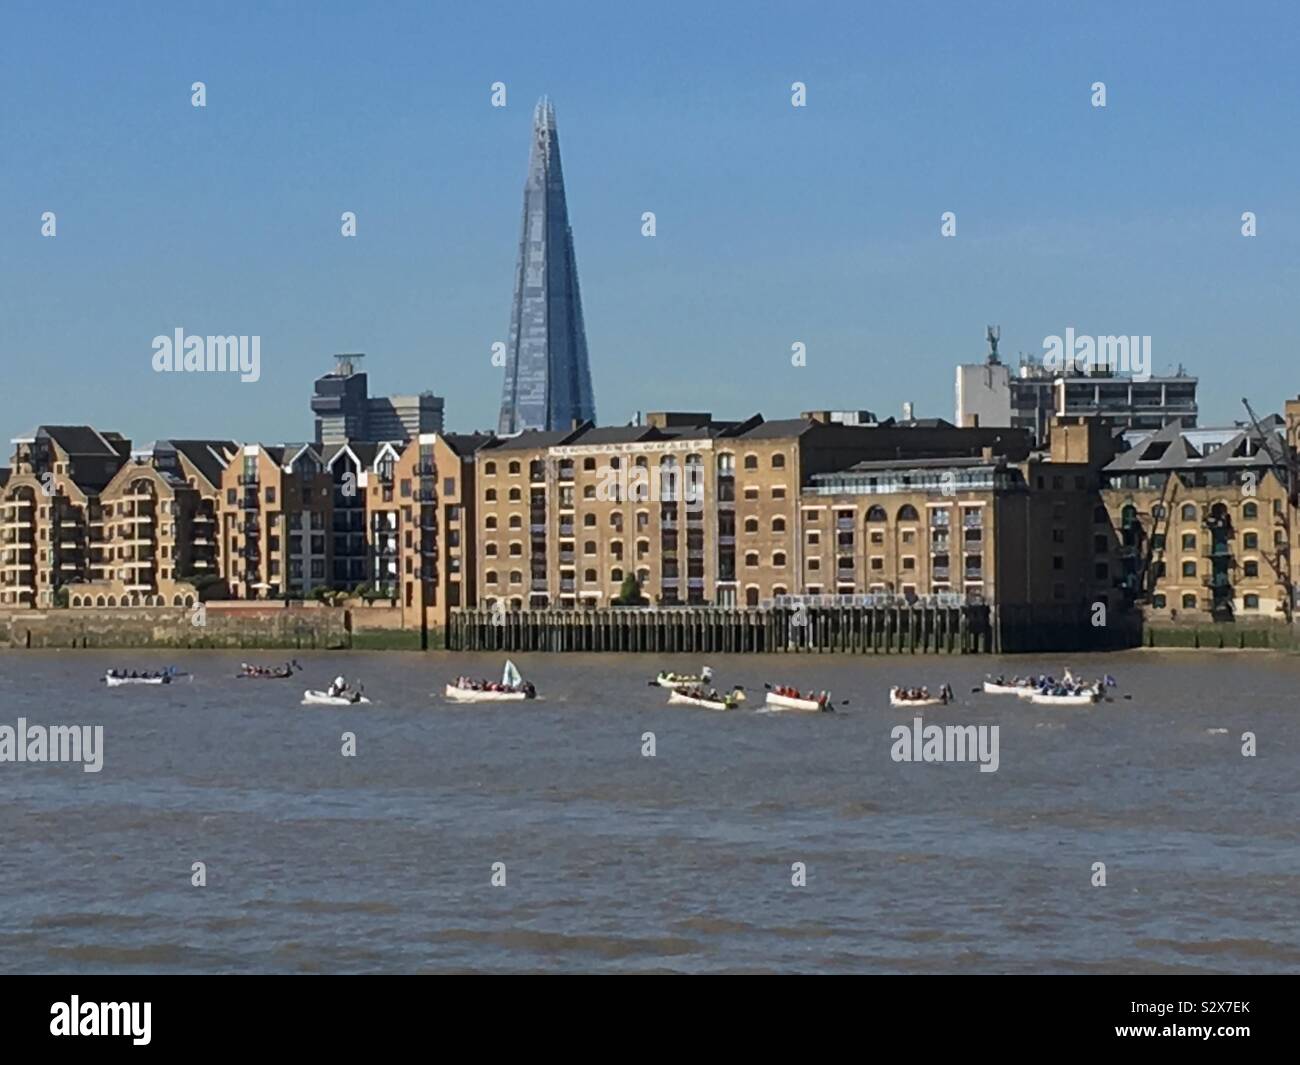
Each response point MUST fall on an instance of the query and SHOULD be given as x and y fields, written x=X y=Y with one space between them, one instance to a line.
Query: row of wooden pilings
x=843 y=630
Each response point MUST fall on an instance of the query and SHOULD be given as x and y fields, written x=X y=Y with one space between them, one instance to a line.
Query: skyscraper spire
x=548 y=377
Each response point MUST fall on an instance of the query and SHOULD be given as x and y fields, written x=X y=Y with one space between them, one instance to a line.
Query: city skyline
x=776 y=225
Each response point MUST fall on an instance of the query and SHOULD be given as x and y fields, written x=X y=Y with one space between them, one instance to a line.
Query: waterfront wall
x=217 y=626
x=847 y=630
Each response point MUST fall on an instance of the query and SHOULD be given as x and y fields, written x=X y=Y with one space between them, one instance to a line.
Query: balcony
x=973 y=575
x=972 y=521
x=249 y=501
x=537 y=584
x=939 y=573
x=844 y=523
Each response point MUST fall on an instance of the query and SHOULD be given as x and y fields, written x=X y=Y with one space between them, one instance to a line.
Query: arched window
x=589 y=576
x=112 y=600
x=751 y=525
x=515 y=495
x=877 y=513
x=778 y=525
x=751 y=558
x=490 y=495
x=489 y=469
x=1249 y=510
x=907 y=512
x=778 y=461
x=490 y=522
x=751 y=596
x=516 y=522
x=514 y=467
x=778 y=558
x=751 y=462
x=1189 y=514
x=516 y=577
x=490 y=577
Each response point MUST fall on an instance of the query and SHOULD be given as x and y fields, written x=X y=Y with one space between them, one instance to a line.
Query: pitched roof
x=209 y=457
x=1176 y=447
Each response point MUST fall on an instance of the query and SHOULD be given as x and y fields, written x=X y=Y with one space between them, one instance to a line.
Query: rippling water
x=680 y=862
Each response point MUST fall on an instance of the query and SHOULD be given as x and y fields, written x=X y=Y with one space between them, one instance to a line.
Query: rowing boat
x=789 y=702
x=513 y=689
x=942 y=699
x=668 y=679
x=117 y=682
x=1022 y=690
x=1085 y=697
x=681 y=697
x=472 y=695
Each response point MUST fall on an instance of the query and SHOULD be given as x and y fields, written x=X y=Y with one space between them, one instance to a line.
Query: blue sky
x=775 y=224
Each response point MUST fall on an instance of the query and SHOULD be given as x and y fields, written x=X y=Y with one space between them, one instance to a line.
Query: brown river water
x=684 y=861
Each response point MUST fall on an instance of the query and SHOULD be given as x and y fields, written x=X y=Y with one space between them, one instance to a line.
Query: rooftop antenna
x=345 y=362
x=993 y=334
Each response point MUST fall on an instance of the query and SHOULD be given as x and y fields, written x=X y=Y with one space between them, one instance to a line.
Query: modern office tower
x=548 y=376
x=345 y=410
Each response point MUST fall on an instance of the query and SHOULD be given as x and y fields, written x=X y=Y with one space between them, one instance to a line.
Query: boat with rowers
x=709 y=699
x=921 y=696
x=283 y=672
x=513 y=688
x=115 y=678
x=667 y=679
x=339 y=693
x=785 y=697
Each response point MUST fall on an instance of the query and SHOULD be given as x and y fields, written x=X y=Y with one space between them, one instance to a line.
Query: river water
x=684 y=861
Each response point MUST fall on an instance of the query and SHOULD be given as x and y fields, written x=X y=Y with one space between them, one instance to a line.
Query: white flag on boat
x=510 y=676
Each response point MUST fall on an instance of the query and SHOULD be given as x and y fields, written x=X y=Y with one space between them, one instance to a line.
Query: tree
x=630 y=593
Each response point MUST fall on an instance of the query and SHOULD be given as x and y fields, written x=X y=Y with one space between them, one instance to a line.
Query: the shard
x=548 y=378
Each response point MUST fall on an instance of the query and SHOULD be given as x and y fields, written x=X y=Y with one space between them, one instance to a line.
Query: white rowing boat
x=1022 y=690
x=667 y=679
x=471 y=695
x=789 y=702
x=1086 y=697
x=165 y=678
x=315 y=698
x=681 y=697
x=896 y=698
x=513 y=689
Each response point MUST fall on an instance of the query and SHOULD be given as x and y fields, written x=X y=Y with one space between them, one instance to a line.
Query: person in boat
x=338 y=686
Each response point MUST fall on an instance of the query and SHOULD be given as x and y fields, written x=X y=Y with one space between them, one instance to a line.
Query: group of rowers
x=794 y=693
x=164 y=675
x=245 y=670
x=922 y=693
x=470 y=684
x=1069 y=685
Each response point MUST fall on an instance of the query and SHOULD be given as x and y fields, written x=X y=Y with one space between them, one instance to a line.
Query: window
x=489 y=470
x=877 y=513
x=589 y=547
x=1189 y=569
x=515 y=495
x=490 y=522
x=589 y=464
x=751 y=558
x=491 y=576
x=778 y=461
x=1099 y=545
x=490 y=550
x=778 y=559
x=514 y=468
x=907 y=512
x=490 y=496
x=516 y=522
x=1249 y=510
x=1158 y=601
x=1250 y=569
x=751 y=462
x=751 y=525
x=1189 y=601
x=516 y=550
x=1250 y=540
x=516 y=577
x=1189 y=542
x=589 y=521
x=1189 y=512
x=778 y=492
x=1250 y=602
